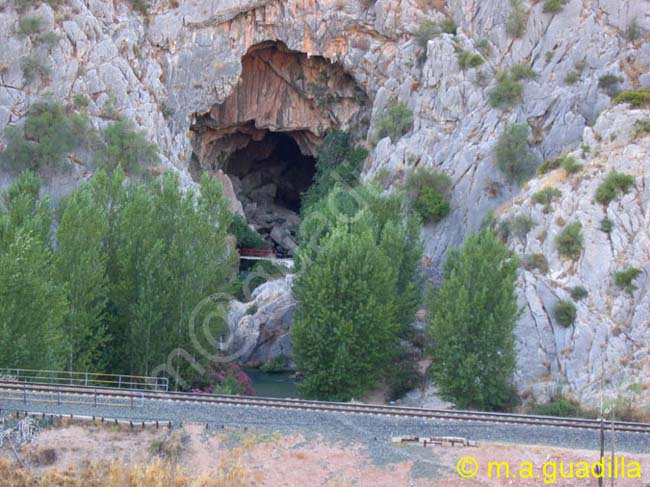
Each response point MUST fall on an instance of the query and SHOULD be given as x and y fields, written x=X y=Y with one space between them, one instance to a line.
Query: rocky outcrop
x=260 y=329
x=605 y=354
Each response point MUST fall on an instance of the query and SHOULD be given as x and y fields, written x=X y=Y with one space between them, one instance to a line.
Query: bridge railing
x=86 y=379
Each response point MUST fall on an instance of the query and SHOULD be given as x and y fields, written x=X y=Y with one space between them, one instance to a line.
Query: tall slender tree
x=472 y=320
x=80 y=264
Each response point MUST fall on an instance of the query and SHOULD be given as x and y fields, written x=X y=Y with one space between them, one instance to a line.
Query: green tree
x=48 y=134
x=472 y=318
x=338 y=162
x=80 y=265
x=126 y=147
x=345 y=326
x=169 y=253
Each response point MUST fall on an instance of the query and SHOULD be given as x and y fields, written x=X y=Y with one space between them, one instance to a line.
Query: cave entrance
x=269 y=176
x=264 y=136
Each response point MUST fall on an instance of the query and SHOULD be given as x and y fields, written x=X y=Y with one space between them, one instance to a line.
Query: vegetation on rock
x=48 y=134
x=625 y=279
x=429 y=192
x=569 y=241
x=565 y=313
x=513 y=155
x=396 y=121
x=614 y=184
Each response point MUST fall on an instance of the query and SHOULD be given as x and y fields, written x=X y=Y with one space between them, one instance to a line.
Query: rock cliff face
x=605 y=353
x=186 y=74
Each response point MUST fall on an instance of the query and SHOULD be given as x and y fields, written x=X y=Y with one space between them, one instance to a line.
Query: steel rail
x=351 y=408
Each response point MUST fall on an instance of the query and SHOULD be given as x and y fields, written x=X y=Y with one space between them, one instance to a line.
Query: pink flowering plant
x=227 y=378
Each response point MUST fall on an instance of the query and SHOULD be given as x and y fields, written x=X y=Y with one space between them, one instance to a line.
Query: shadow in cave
x=269 y=175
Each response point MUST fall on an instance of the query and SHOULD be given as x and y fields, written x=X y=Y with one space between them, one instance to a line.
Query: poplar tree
x=472 y=320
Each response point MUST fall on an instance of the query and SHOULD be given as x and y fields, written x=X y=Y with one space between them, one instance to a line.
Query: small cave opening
x=263 y=138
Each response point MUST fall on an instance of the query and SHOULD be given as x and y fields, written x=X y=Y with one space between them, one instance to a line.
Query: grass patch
x=614 y=184
x=561 y=407
x=569 y=242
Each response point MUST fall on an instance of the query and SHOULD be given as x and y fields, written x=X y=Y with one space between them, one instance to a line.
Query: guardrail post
x=86 y=379
x=131 y=400
x=95 y=397
x=25 y=393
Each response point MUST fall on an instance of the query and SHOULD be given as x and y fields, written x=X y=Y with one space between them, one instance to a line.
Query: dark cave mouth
x=269 y=176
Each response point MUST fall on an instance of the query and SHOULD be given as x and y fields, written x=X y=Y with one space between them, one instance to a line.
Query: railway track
x=25 y=391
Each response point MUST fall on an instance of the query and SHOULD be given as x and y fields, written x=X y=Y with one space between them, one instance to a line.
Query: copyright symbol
x=467 y=467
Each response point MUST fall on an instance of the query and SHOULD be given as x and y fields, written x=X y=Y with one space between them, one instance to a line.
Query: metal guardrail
x=86 y=379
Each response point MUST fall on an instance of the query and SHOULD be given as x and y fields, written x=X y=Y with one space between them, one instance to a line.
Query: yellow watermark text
x=551 y=471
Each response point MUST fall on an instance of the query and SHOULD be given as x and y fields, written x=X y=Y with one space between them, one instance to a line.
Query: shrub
x=81 y=101
x=483 y=46
x=535 y=261
x=522 y=71
x=141 y=6
x=549 y=165
x=30 y=25
x=572 y=78
x=520 y=225
x=227 y=378
x=338 y=162
x=49 y=39
x=276 y=365
x=569 y=241
x=614 y=183
x=430 y=29
x=570 y=165
x=633 y=31
x=467 y=59
x=624 y=279
x=126 y=147
x=429 y=192
x=636 y=98
x=517 y=20
x=579 y=293
x=606 y=225
x=24 y=5
x=34 y=65
x=513 y=156
x=507 y=92
x=609 y=83
x=553 y=6
x=48 y=134
x=641 y=128
x=395 y=122
x=246 y=236
x=565 y=313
